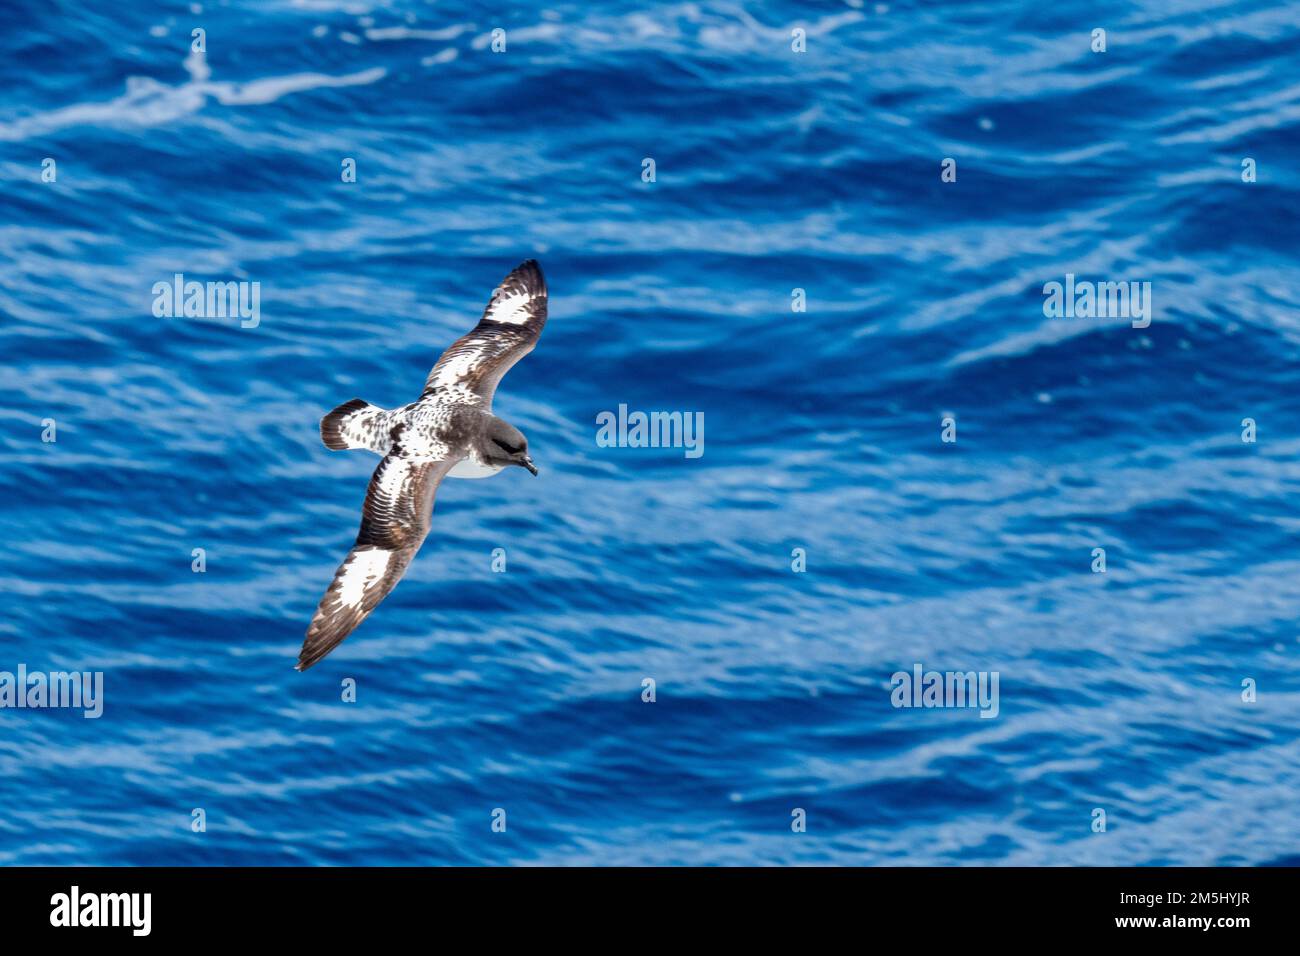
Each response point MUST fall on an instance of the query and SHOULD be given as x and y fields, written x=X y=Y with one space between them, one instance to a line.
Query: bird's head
x=506 y=445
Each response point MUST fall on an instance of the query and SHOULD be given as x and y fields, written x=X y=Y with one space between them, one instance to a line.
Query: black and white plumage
x=449 y=431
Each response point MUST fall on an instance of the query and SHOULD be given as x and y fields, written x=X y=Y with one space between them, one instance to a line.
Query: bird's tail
x=354 y=424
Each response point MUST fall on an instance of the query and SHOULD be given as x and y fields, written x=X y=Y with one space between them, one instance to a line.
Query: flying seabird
x=449 y=431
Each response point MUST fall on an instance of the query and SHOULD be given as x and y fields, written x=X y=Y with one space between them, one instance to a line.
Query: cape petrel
x=449 y=431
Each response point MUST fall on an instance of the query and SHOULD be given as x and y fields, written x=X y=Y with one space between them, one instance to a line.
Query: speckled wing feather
x=394 y=521
x=509 y=329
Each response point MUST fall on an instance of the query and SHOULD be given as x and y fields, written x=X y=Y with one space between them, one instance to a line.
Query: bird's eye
x=508 y=448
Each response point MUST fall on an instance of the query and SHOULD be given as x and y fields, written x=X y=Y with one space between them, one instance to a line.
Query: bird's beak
x=528 y=463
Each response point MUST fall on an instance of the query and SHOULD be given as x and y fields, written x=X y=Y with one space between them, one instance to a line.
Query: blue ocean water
x=775 y=171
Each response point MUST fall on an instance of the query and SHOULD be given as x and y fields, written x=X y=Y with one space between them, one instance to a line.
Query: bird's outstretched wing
x=394 y=521
x=507 y=332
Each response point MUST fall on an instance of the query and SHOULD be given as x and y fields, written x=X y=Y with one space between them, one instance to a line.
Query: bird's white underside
x=473 y=468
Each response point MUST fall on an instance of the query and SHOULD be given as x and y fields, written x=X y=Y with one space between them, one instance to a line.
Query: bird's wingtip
x=530 y=270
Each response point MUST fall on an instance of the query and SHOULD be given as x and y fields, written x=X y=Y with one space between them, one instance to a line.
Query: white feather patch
x=512 y=309
x=458 y=366
x=362 y=570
